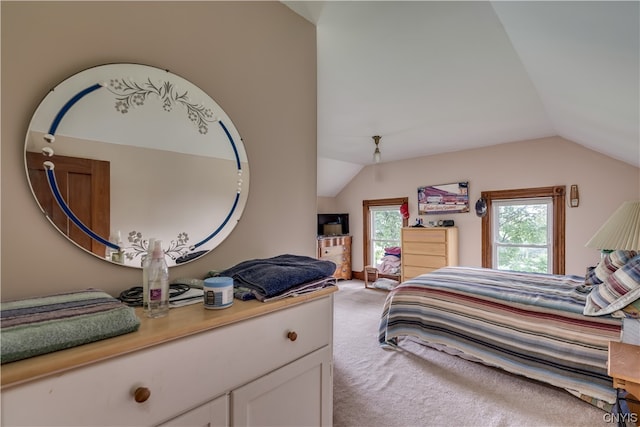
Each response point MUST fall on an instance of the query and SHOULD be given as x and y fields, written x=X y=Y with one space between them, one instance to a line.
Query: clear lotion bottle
x=146 y=262
x=158 y=279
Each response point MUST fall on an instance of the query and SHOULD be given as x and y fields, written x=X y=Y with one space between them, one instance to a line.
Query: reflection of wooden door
x=85 y=185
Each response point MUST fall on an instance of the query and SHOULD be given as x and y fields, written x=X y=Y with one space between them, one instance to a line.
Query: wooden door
x=85 y=186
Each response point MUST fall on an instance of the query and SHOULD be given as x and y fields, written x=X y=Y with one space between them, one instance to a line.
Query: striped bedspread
x=35 y=326
x=525 y=323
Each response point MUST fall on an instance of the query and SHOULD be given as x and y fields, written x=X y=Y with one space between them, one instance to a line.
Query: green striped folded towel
x=35 y=326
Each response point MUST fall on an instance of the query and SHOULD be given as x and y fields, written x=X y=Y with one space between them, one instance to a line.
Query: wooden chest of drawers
x=338 y=250
x=427 y=249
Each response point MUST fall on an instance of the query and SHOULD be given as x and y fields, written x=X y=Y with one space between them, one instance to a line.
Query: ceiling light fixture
x=376 y=153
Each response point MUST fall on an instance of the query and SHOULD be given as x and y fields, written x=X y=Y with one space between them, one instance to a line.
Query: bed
x=525 y=323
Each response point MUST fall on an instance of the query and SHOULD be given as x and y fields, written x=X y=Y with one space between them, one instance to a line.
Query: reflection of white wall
x=159 y=193
x=152 y=125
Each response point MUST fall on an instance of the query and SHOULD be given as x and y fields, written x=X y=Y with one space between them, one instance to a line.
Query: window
x=524 y=230
x=382 y=225
x=385 y=223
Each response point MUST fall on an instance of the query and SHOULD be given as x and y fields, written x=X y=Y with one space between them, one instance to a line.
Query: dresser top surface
x=180 y=322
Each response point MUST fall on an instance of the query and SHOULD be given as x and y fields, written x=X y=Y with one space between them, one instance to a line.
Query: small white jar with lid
x=218 y=292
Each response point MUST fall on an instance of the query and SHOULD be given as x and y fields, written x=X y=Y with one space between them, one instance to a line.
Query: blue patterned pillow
x=617 y=291
x=607 y=266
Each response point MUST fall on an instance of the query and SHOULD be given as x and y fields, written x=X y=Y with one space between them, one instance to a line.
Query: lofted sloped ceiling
x=440 y=76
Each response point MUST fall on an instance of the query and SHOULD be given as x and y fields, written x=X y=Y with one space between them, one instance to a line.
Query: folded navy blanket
x=302 y=289
x=35 y=326
x=272 y=276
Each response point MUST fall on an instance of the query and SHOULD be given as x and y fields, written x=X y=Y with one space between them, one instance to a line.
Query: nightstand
x=624 y=368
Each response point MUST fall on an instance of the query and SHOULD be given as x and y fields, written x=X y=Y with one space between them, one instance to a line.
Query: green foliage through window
x=522 y=235
x=386 y=224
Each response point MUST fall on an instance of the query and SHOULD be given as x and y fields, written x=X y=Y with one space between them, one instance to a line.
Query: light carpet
x=420 y=386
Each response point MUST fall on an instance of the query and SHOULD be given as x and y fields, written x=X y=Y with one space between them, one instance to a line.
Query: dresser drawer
x=429 y=261
x=419 y=235
x=410 y=272
x=180 y=374
x=424 y=248
x=332 y=252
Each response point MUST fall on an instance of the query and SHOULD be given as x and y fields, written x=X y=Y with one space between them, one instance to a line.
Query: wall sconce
x=376 y=154
x=574 y=196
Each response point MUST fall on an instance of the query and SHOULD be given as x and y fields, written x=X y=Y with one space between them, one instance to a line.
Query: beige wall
x=604 y=183
x=327 y=205
x=257 y=60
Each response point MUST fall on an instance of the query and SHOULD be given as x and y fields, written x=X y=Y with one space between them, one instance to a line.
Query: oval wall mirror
x=120 y=154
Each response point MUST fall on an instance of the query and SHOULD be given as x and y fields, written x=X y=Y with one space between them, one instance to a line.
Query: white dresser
x=251 y=364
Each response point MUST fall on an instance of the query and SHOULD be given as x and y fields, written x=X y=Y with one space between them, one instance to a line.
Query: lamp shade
x=621 y=231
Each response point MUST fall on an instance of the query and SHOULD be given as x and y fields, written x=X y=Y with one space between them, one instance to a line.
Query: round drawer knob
x=141 y=394
x=292 y=336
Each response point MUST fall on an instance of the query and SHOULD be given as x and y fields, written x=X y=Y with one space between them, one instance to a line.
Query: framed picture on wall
x=444 y=198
